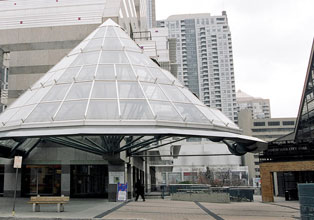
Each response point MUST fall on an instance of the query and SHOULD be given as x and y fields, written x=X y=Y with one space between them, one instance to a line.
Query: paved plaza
x=154 y=209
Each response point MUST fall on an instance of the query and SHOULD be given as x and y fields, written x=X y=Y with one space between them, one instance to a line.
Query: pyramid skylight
x=107 y=80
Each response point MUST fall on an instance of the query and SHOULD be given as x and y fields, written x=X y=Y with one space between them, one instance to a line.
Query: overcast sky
x=271 y=40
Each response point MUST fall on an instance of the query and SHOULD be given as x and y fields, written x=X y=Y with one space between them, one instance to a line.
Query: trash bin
x=306 y=200
x=287 y=195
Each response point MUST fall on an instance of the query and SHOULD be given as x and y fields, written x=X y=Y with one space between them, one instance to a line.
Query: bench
x=59 y=200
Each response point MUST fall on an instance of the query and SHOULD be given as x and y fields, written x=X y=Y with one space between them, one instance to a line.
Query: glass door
x=89 y=181
x=41 y=180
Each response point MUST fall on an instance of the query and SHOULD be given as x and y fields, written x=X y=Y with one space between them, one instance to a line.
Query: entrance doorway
x=89 y=181
x=41 y=180
x=288 y=182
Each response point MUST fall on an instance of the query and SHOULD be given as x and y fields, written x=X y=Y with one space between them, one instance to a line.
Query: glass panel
x=23 y=98
x=73 y=54
x=191 y=113
x=143 y=74
x=46 y=180
x=161 y=78
x=190 y=96
x=104 y=90
x=54 y=78
x=21 y=114
x=174 y=93
x=6 y=115
x=224 y=118
x=138 y=58
x=57 y=92
x=86 y=58
x=112 y=44
x=89 y=180
x=100 y=33
x=165 y=111
x=171 y=77
x=135 y=109
x=103 y=109
x=210 y=115
x=69 y=74
x=40 y=93
x=113 y=57
x=94 y=44
x=72 y=110
x=43 y=112
x=86 y=73
x=79 y=91
x=125 y=72
x=130 y=90
x=42 y=80
x=105 y=72
x=130 y=45
x=110 y=32
x=152 y=91
x=121 y=33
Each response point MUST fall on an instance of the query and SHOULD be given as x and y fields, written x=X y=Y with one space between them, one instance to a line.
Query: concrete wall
x=202 y=197
x=33 y=51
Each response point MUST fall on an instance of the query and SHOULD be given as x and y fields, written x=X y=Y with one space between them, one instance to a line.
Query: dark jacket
x=139 y=188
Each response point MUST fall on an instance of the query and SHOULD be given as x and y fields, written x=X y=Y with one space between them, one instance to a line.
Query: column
x=266 y=184
x=130 y=181
x=114 y=166
x=275 y=183
x=65 y=179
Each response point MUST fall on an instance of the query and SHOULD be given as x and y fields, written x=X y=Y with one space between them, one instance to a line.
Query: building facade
x=204 y=57
x=158 y=46
x=35 y=39
x=260 y=107
x=151 y=13
x=289 y=159
x=267 y=129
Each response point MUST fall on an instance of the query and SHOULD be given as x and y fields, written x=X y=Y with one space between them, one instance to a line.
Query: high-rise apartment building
x=260 y=107
x=204 y=58
x=151 y=13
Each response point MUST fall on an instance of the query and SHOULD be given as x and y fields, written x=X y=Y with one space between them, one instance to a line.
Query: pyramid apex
x=110 y=22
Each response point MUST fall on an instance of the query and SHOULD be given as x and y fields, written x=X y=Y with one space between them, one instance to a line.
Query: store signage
x=17 y=162
x=122 y=192
x=116 y=177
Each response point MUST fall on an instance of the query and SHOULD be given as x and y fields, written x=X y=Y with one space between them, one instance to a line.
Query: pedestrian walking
x=139 y=190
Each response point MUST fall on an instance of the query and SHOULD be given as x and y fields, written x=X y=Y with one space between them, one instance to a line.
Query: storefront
x=89 y=181
x=85 y=180
x=41 y=180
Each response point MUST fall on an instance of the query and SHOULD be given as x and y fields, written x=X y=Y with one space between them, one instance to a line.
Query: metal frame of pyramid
x=106 y=88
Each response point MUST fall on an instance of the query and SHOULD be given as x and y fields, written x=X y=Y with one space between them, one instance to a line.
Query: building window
x=259 y=123
x=273 y=123
x=288 y=123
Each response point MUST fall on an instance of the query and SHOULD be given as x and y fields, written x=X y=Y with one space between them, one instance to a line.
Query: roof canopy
x=107 y=86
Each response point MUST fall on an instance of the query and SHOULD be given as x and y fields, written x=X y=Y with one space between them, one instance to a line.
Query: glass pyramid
x=107 y=80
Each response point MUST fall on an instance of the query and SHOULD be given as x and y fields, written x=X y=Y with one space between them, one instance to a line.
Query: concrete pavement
x=154 y=209
x=182 y=210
